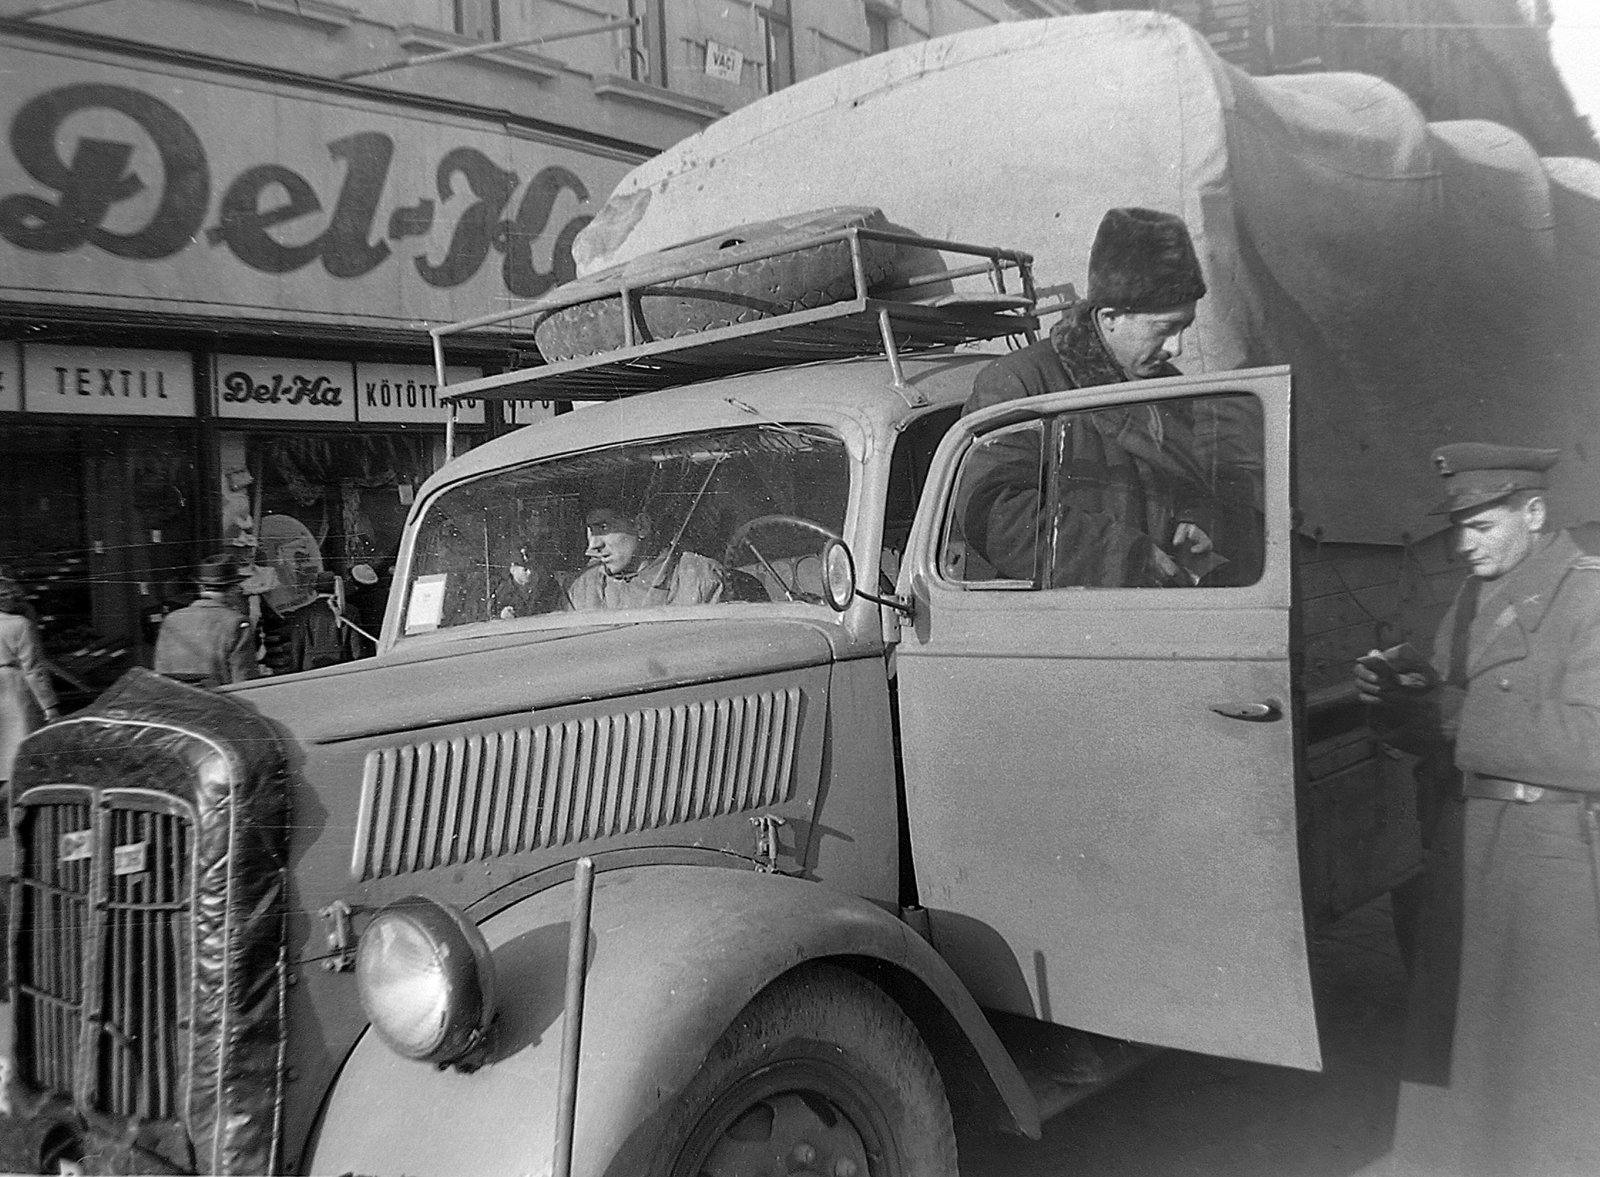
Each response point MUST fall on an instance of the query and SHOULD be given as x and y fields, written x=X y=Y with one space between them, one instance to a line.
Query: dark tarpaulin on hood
x=150 y=732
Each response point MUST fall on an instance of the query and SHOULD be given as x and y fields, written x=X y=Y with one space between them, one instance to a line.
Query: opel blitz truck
x=879 y=839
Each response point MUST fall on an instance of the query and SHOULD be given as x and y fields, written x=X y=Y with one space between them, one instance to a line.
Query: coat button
x=1505 y=684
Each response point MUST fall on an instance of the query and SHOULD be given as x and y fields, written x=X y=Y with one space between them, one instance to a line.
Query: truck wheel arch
x=677 y=952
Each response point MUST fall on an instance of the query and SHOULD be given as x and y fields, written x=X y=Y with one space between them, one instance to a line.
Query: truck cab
x=889 y=791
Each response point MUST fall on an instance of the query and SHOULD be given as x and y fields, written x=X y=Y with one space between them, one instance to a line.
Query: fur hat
x=1143 y=260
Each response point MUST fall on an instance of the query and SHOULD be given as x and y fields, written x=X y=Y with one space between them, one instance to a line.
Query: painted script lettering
x=261 y=217
x=240 y=388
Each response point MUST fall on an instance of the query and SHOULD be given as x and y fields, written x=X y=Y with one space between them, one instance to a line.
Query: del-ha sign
x=130 y=184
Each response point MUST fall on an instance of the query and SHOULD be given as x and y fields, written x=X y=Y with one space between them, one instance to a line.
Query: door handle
x=1263 y=712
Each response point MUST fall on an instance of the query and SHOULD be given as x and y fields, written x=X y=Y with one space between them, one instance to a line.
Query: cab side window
x=994 y=533
x=908 y=474
x=1162 y=494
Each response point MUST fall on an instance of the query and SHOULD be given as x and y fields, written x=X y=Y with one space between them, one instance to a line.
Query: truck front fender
x=675 y=953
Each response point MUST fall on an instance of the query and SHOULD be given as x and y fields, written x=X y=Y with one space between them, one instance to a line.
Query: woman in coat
x=27 y=699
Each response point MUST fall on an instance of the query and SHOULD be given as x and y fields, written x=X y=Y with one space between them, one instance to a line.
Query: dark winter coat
x=1130 y=475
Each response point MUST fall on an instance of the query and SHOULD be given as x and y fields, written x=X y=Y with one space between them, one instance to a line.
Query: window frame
x=1050 y=423
x=777 y=16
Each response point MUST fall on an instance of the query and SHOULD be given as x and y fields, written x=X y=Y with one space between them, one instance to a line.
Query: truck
x=847 y=837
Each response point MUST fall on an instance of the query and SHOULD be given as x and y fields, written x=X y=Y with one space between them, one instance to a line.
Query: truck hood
x=506 y=673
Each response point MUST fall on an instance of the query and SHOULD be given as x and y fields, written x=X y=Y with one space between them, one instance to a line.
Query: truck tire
x=822 y=1074
x=741 y=293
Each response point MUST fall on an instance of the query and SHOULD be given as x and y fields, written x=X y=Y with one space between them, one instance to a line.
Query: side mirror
x=839 y=586
x=838 y=575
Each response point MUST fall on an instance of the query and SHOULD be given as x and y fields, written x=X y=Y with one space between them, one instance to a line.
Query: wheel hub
x=790 y=1134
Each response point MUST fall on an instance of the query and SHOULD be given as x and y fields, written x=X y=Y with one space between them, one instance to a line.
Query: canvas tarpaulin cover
x=1429 y=282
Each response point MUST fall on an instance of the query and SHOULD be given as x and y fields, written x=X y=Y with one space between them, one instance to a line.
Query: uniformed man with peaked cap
x=1503 y=1027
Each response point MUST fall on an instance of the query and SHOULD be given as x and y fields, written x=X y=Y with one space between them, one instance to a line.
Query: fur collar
x=1076 y=339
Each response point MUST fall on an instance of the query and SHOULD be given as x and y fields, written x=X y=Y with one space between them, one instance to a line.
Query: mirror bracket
x=839 y=565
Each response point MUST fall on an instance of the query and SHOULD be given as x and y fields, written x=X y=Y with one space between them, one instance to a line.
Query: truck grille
x=103 y=897
x=440 y=802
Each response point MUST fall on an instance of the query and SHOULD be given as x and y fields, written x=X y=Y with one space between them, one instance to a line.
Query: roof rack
x=867 y=324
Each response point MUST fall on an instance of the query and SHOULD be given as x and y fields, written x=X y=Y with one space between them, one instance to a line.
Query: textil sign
x=96 y=381
x=126 y=183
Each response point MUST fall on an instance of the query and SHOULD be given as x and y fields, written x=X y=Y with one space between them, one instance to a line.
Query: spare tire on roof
x=741 y=292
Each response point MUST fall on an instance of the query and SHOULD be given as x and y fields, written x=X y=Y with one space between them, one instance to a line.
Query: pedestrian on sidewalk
x=210 y=643
x=1502 y=1052
x=27 y=698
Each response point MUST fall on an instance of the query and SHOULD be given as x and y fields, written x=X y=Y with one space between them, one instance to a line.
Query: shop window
x=99 y=526
x=315 y=504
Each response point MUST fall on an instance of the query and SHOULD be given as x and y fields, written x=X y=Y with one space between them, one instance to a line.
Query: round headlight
x=426 y=980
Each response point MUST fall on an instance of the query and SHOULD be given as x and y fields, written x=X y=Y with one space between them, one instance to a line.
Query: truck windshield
x=735 y=517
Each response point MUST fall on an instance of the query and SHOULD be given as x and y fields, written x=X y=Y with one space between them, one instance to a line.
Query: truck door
x=1098 y=722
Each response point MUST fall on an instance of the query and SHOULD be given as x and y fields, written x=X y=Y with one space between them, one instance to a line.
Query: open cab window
x=1166 y=494
x=737 y=517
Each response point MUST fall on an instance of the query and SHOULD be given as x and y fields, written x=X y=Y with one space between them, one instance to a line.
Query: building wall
x=649 y=86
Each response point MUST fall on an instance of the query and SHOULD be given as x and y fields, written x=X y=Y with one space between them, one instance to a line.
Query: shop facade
x=215 y=289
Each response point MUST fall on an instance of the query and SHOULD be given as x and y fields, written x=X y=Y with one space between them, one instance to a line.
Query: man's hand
x=1191 y=537
x=1394 y=677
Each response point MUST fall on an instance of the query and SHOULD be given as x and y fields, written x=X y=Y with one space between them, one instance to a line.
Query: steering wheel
x=741 y=537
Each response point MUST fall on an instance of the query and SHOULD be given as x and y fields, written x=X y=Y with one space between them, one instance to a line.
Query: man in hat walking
x=211 y=642
x=1140 y=502
x=1503 y=1029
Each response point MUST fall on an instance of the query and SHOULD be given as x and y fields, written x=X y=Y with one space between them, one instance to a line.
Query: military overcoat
x=1503 y=1032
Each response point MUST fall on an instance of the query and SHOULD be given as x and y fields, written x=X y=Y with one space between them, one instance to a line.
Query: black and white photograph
x=800 y=588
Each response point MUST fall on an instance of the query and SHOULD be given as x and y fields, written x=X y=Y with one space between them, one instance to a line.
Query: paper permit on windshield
x=426 y=606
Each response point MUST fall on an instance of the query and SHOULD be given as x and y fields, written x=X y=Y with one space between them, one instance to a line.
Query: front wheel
x=820 y=1076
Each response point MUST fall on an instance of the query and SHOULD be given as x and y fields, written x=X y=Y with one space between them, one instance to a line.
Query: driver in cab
x=630 y=570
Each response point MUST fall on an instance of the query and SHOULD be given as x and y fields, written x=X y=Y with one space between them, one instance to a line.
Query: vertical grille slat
x=544 y=756
x=436 y=803
x=717 y=758
x=135 y=908
x=609 y=761
x=480 y=758
x=670 y=798
x=452 y=806
x=413 y=818
x=635 y=725
x=589 y=788
x=161 y=1020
